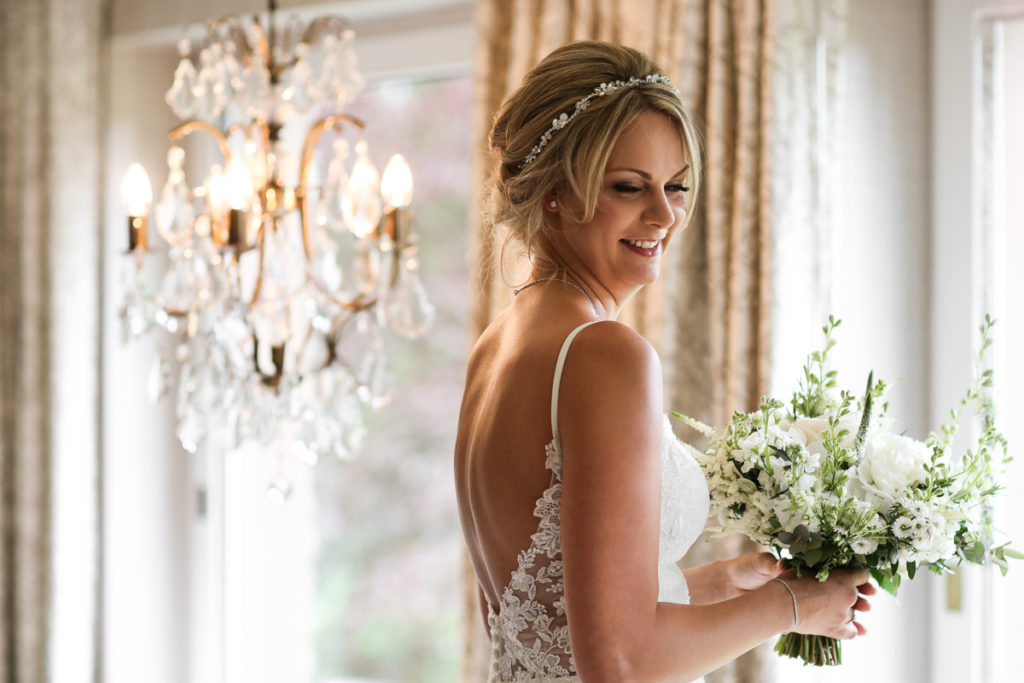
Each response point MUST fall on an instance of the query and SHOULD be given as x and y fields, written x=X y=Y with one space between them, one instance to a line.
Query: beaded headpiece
x=600 y=91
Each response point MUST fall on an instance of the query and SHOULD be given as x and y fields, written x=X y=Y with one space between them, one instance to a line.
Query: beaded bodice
x=530 y=631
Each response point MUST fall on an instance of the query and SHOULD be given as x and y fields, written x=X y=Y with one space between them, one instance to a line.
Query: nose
x=659 y=212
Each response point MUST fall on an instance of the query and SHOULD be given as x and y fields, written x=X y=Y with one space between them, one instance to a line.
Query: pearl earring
x=553 y=204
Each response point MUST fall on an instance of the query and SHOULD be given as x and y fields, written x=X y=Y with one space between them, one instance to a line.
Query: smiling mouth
x=644 y=247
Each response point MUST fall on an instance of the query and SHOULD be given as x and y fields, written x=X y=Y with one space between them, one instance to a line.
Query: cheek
x=677 y=227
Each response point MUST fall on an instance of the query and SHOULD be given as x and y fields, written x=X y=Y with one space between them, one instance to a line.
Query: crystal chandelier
x=284 y=269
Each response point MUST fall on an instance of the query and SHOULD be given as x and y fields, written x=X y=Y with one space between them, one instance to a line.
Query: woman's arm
x=725 y=579
x=610 y=423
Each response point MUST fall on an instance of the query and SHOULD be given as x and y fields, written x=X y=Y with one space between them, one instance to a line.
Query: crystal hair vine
x=600 y=91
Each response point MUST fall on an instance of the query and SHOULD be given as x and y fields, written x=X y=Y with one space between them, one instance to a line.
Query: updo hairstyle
x=576 y=155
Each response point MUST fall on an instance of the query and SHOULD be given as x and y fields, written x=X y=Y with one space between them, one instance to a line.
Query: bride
x=576 y=500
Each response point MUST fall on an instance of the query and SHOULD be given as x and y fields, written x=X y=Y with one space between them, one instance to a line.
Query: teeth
x=643 y=244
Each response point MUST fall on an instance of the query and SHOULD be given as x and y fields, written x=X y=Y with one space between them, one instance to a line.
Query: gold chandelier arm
x=312 y=138
x=245 y=128
x=259 y=268
x=262 y=46
x=264 y=129
x=355 y=305
x=321 y=25
x=190 y=127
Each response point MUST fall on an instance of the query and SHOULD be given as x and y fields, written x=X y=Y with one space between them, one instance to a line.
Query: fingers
x=859 y=589
x=854 y=577
x=851 y=628
x=766 y=565
x=861 y=604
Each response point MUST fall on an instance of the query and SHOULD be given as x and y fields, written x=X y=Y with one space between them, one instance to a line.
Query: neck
x=604 y=301
x=567 y=284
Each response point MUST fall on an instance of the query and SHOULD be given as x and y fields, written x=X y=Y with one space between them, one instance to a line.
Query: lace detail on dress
x=530 y=636
x=530 y=632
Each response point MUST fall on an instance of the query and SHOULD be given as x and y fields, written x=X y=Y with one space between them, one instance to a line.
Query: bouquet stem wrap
x=813 y=650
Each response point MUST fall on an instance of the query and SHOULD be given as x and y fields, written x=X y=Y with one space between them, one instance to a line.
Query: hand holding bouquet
x=827 y=484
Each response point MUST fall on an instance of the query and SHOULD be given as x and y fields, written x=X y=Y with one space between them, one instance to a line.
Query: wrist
x=793 y=607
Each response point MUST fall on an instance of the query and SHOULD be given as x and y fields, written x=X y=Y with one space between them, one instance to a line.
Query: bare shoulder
x=611 y=397
x=610 y=421
x=613 y=356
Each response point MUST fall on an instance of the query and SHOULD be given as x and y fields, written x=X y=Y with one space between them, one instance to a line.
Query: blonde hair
x=576 y=155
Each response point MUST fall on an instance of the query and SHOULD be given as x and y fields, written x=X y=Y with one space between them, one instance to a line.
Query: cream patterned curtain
x=709 y=313
x=50 y=150
x=807 y=97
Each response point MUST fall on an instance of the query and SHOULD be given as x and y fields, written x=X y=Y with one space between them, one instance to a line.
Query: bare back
x=504 y=426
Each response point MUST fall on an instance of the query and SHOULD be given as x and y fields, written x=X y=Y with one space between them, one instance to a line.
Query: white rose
x=892 y=464
x=792 y=434
x=814 y=429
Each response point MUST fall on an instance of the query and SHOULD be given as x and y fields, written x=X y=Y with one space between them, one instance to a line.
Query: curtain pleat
x=50 y=184
x=24 y=338
x=719 y=333
x=708 y=314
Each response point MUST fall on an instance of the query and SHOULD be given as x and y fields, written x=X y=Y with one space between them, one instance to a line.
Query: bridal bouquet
x=827 y=482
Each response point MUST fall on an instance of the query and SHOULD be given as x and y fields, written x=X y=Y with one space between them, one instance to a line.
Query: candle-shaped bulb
x=136 y=191
x=215 y=189
x=237 y=185
x=396 y=183
x=361 y=204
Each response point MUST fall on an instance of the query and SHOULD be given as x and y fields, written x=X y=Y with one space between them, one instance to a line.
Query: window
x=389 y=564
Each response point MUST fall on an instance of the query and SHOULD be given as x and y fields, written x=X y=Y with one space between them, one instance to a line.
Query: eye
x=677 y=187
x=625 y=188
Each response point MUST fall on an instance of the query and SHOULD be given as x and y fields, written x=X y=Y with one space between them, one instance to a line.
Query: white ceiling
x=155 y=22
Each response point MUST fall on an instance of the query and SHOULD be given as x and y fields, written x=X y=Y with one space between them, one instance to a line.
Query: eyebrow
x=647 y=176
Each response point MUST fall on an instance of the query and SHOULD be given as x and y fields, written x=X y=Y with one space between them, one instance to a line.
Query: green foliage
x=811 y=399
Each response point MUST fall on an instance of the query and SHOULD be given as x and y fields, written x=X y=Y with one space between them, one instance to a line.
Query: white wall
x=147 y=492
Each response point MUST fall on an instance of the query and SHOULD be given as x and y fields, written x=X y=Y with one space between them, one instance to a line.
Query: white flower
x=805 y=483
x=892 y=464
x=814 y=429
x=864 y=546
x=903 y=528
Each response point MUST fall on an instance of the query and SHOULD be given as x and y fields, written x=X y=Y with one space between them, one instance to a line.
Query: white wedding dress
x=530 y=633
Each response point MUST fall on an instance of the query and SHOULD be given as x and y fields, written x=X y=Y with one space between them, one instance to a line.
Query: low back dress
x=529 y=630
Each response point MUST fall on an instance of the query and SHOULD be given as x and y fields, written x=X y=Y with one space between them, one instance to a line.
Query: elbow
x=608 y=667
x=615 y=663
x=620 y=666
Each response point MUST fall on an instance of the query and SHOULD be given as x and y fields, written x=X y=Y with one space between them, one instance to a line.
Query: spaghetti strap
x=558 y=379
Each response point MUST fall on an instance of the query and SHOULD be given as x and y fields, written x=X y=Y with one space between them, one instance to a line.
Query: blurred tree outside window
x=389 y=560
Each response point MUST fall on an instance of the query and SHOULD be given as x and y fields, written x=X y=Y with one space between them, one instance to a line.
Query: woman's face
x=642 y=197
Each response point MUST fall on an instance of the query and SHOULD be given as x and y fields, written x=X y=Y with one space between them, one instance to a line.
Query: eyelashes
x=626 y=188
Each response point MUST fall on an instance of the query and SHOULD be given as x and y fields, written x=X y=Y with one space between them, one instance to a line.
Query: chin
x=644 y=279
